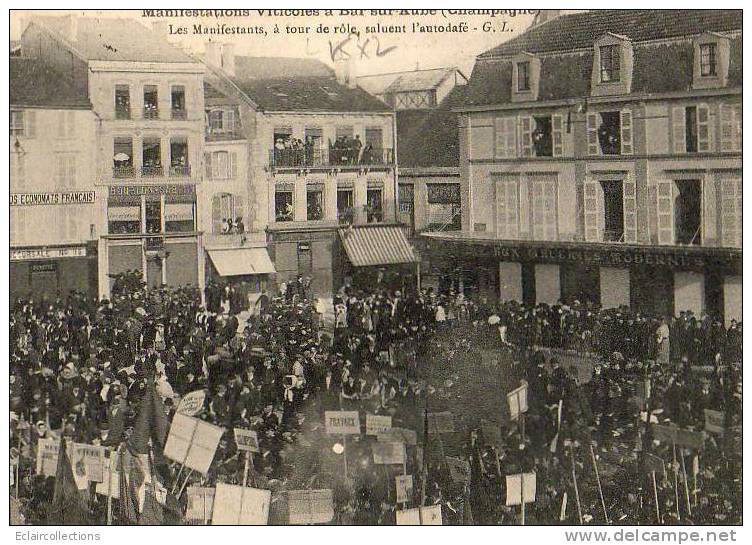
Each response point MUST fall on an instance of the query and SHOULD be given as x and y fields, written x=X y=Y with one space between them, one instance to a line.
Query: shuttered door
x=665 y=207
x=526 y=136
x=592 y=134
x=630 y=211
x=507 y=209
x=557 y=129
x=627 y=147
x=593 y=211
x=731 y=212
x=704 y=135
x=678 y=124
x=217 y=214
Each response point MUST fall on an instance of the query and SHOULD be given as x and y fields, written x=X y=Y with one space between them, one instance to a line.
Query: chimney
x=213 y=54
x=345 y=72
x=228 y=59
x=545 y=15
x=69 y=27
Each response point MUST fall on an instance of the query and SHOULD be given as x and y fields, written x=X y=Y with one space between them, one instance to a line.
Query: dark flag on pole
x=68 y=503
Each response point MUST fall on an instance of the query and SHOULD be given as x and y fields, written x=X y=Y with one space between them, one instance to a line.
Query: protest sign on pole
x=459 y=469
x=240 y=505
x=47 y=452
x=517 y=400
x=404 y=485
x=110 y=485
x=200 y=503
x=442 y=422
x=192 y=442
x=92 y=458
x=420 y=516
x=246 y=440
x=674 y=435
x=342 y=422
x=376 y=424
x=192 y=403
x=310 y=506
x=714 y=422
x=388 y=453
x=399 y=435
x=491 y=433
x=520 y=488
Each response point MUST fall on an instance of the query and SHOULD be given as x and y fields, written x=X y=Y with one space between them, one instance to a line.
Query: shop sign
x=44 y=267
x=138 y=190
x=38 y=199
x=47 y=253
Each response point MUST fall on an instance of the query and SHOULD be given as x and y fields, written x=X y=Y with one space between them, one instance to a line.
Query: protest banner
x=342 y=422
x=520 y=488
x=240 y=505
x=200 y=503
x=517 y=400
x=376 y=424
x=47 y=452
x=92 y=457
x=442 y=422
x=420 y=516
x=399 y=435
x=388 y=453
x=246 y=440
x=459 y=469
x=675 y=435
x=310 y=506
x=714 y=422
x=192 y=442
x=192 y=403
x=404 y=485
x=491 y=433
x=110 y=485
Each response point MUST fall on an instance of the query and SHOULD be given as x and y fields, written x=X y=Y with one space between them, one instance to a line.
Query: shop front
x=655 y=280
x=53 y=271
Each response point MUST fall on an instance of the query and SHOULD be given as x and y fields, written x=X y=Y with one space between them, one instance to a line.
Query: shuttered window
x=731 y=127
x=665 y=207
x=506 y=137
x=627 y=148
x=526 y=136
x=545 y=217
x=731 y=212
x=679 y=130
x=592 y=134
x=593 y=201
x=508 y=208
x=703 y=128
x=630 y=211
x=557 y=133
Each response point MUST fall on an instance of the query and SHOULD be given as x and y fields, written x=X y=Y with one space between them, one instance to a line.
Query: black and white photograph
x=375 y=267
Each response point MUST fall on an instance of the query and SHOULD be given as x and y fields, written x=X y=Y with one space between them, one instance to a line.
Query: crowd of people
x=345 y=150
x=275 y=365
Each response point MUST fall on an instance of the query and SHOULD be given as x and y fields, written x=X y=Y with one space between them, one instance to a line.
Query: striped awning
x=371 y=245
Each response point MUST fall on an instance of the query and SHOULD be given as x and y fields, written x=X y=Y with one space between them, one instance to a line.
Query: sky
x=383 y=52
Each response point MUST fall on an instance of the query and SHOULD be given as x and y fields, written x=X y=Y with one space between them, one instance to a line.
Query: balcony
x=152 y=171
x=151 y=113
x=126 y=171
x=122 y=112
x=179 y=114
x=331 y=158
x=180 y=170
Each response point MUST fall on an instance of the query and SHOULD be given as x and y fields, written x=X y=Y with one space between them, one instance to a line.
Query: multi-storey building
x=601 y=160
x=53 y=208
x=321 y=166
x=148 y=100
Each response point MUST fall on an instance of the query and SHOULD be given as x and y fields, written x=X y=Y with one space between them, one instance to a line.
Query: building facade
x=53 y=201
x=147 y=97
x=590 y=174
x=321 y=164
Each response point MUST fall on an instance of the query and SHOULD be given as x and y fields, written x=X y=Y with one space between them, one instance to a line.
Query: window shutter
x=592 y=134
x=731 y=212
x=506 y=144
x=208 y=165
x=229 y=121
x=30 y=122
x=703 y=128
x=526 y=136
x=216 y=214
x=549 y=210
x=665 y=204
x=630 y=210
x=239 y=212
x=512 y=209
x=557 y=129
x=730 y=127
x=233 y=165
x=217 y=163
x=593 y=212
x=538 y=211
x=678 y=124
x=626 y=133
x=501 y=209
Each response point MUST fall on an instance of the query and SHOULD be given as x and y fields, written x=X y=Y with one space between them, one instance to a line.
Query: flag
x=128 y=498
x=151 y=422
x=68 y=503
x=116 y=423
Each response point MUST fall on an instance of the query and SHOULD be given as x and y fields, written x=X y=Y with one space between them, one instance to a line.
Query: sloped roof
x=33 y=84
x=114 y=39
x=430 y=138
x=279 y=68
x=580 y=30
x=299 y=85
x=413 y=80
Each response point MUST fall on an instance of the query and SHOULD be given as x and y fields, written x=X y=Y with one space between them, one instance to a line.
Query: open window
x=122 y=102
x=227 y=214
x=610 y=210
x=177 y=99
x=610 y=133
x=122 y=158
x=679 y=207
x=542 y=136
x=284 y=209
x=375 y=204
x=691 y=128
x=315 y=202
x=151 y=157
x=179 y=164
x=345 y=205
x=151 y=102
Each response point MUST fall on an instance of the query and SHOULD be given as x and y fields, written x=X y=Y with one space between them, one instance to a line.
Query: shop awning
x=370 y=245
x=241 y=261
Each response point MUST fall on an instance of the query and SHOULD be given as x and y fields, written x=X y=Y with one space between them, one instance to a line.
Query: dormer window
x=523 y=76
x=708 y=60
x=610 y=64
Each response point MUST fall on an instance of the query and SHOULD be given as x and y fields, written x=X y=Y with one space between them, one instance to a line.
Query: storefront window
x=179 y=217
x=124 y=219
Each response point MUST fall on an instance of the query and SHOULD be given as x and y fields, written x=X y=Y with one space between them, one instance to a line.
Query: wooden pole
x=245 y=469
x=344 y=452
x=695 y=471
x=177 y=479
x=655 y=495
x=574 y=479
x=190 y=472
x=206 y=519
x=686 y=484
x=109 y=494
x=522 y=497
x=676 y=484
x=598 y=480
